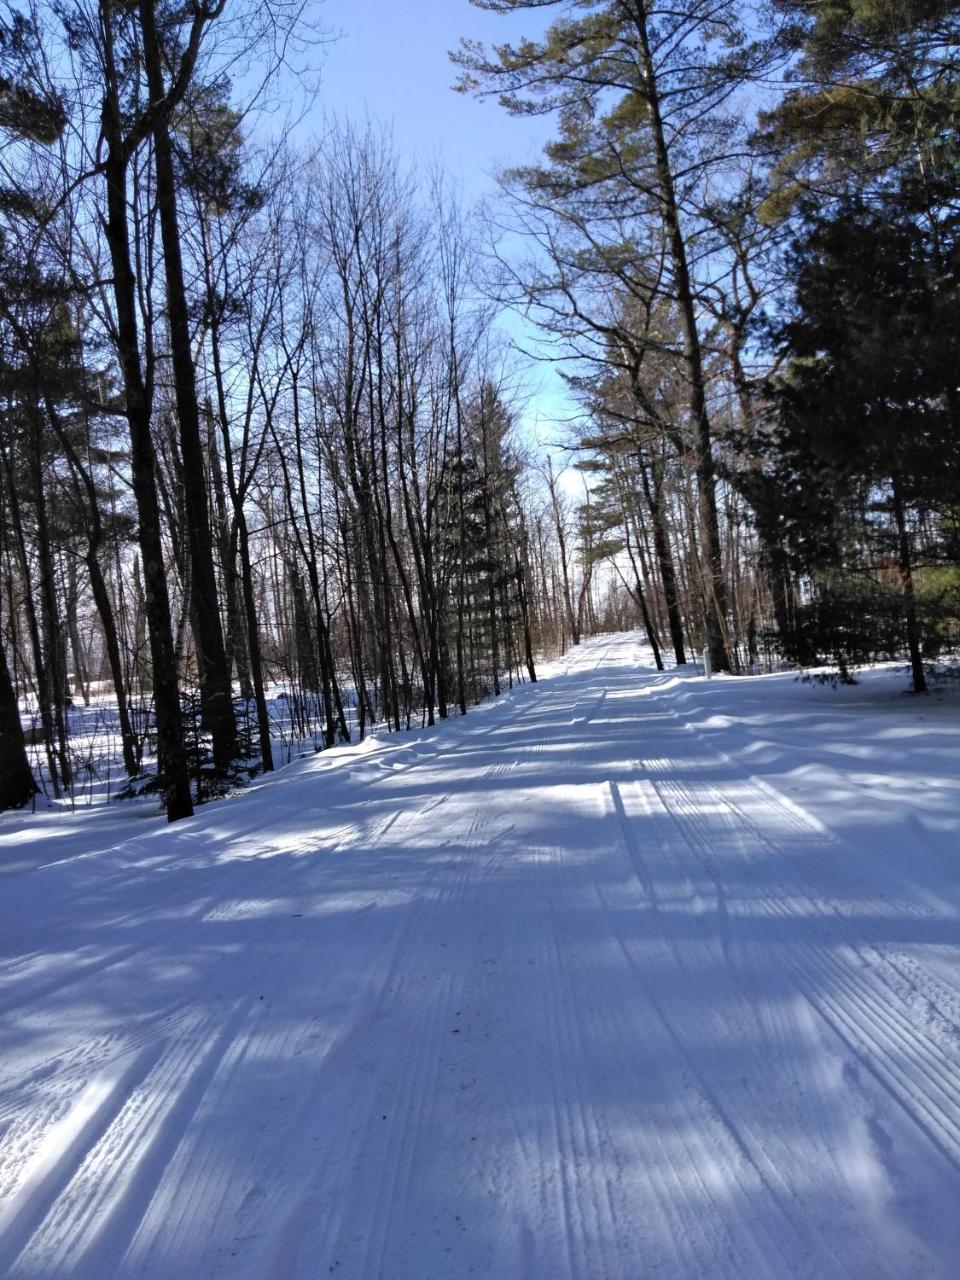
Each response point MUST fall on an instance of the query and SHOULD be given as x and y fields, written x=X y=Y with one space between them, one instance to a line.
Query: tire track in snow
x=479 y=851
x=568 y=1153
x=94 y=1214
x=430 y=1028
x=317 y=1218
x=742 y=1146
x=933 y=1001
x=69 y=1071
x=424 y=996
x=884 y=1024
x=45 y=1162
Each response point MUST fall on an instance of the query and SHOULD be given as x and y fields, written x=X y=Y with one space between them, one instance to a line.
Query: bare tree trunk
x=712 y=567
x=171 y=752
x=661 y=544
x=905 y=567
x=216 y=695
x=40 y=673
x=253 y=645
x=17 y=786
x=108 y=624
x=54 y=648
x=571 y=615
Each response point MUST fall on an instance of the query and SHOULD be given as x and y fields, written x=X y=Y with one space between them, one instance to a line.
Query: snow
x=627 y=975
x=95 y=751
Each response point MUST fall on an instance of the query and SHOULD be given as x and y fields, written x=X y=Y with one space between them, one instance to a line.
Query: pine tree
x=642 y=91
x=876 y=96
x=865 y=442
x=29 y=106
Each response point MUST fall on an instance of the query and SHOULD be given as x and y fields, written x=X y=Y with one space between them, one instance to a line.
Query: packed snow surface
x=628 y=975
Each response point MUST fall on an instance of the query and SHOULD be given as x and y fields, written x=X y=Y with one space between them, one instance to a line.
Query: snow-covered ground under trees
x=627 y=976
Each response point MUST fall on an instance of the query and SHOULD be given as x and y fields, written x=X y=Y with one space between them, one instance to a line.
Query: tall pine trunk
x=216 y=694
x=714 y=585
x=171 y=753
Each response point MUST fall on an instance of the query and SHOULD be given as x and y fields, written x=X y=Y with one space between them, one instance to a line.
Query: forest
x=265 y=479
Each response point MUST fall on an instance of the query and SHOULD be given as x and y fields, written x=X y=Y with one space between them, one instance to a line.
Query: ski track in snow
x=562 y=990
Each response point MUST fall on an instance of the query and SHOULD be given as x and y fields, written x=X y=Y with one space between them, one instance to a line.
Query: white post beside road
x=707 y=666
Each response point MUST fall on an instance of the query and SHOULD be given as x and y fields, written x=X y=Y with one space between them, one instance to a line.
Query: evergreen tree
x=29 y=107
x=866 y=448
x=642 y=90
x=877 y=86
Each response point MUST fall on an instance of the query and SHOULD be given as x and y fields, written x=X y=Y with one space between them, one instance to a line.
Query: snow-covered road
x=566 y=990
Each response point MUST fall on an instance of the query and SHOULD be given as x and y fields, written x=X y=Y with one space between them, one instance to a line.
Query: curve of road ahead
x=554 y=992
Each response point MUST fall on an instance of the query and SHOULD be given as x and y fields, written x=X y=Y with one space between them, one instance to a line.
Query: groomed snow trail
x=558 y=991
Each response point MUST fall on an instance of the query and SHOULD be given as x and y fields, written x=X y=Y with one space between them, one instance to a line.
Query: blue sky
x=391 y=63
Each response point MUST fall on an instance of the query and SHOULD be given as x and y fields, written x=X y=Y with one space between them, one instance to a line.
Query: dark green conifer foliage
x=866 y=445
x=877 y=91
x=28 y=107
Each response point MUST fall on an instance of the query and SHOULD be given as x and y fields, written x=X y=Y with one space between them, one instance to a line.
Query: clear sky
x=391 y=62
